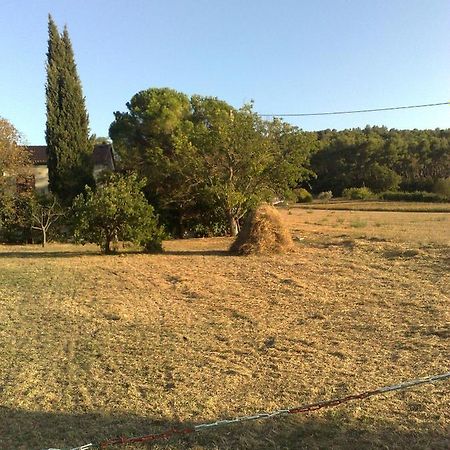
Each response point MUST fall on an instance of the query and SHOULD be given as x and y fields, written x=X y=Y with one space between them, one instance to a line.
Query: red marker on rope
x=280 y=412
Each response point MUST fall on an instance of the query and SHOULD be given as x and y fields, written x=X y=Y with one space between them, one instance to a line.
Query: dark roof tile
x=102 y=155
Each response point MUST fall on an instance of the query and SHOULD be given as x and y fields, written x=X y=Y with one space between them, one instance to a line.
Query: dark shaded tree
x=204 y=159
x=144 y=138
x=67 y=127
x=381 y=159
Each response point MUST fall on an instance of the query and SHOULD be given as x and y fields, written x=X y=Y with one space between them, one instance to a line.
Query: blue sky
x=289 y=56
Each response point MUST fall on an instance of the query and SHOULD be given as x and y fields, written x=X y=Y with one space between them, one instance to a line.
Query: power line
x=355 y=111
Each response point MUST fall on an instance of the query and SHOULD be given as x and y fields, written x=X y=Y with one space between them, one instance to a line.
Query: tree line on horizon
x=381 y=159
x=196 y=165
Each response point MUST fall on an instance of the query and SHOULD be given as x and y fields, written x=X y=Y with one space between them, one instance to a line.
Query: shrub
x=381 y=178
x=303 y=196
x=214 y=229
x=442 y=187
x=358 y=193
x=15 y=218
x=412 y=185
x=117 y=210
x=326 y=195
x=416 y=196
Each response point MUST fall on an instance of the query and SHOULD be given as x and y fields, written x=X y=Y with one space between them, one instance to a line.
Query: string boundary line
x=263 y=415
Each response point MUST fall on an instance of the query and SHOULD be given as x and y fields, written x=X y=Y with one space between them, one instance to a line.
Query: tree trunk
x=234 y=225
x=44 y=237
x=108 y=246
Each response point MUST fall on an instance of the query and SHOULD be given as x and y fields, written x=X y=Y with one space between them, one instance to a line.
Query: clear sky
x=289 y=56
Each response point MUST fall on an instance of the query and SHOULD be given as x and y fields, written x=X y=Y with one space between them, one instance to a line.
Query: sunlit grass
x=98 y=346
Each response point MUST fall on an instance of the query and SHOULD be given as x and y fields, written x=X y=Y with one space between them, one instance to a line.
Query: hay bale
x=263 y=232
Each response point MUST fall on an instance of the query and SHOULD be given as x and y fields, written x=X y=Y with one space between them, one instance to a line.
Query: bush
x=416 y=196
x=422 y=184
x=358 y=193
x=381 y=178
x=303 y=196
x=326 y=195
x=201 y=230
x=117 y=210
x=16 y=219
x=442 y=187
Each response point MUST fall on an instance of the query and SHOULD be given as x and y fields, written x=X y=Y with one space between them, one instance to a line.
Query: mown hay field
x=376 y=205
x=96 y=346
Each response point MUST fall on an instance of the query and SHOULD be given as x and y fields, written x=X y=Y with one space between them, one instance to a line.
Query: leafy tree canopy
x=381 y=159
x=117 y=210
x=203 y=157
x=15 y=169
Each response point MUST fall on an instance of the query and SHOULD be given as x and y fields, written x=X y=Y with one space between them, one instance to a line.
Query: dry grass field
x=376 y=205
x=94 y=346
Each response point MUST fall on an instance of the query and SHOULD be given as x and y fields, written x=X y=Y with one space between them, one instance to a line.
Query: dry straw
x=263 y=232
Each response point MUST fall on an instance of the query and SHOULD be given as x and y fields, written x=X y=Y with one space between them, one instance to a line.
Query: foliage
x=67 y=128
x=358 y=193
x=303 y=196
x=144 y=138
x=239 y=160
x=325 y=195
x=15 y=171
x=442 y=187
x=202 y=157
x=381 y=178
x=15 y=227
x=380 y=159
x=416 y=196
x=117 y=210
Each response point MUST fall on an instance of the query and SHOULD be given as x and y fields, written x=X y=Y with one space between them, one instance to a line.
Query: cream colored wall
x=98 y=169
x=41 y=178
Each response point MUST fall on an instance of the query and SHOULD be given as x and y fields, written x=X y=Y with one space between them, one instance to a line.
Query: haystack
x=263 y=232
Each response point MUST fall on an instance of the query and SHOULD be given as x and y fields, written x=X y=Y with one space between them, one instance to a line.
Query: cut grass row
x=99 y=346
x=346 y=205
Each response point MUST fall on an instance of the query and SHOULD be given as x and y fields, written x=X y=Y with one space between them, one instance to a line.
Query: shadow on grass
x=77 y=254
x=22 y=430
x=198 y=253
x=45 y=254
x=65 y=254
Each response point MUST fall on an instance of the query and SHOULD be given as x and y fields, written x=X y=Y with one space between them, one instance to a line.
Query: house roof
x=102 y=155
x=38 y=154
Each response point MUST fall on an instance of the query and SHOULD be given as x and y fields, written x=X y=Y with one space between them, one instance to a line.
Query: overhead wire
x=355 y=111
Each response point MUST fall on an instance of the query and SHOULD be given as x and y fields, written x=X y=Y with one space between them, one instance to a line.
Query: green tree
x=205 y=159
x=144 y=138
x=67 y=128
x=381 y=178
x=15 y=171
x=117 y=210
x=381 y=158
x=240 y=160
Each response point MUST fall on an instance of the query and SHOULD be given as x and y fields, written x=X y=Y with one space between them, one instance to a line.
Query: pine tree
x=67 y=130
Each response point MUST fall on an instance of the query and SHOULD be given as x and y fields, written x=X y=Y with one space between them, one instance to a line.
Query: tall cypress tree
x=67 y=130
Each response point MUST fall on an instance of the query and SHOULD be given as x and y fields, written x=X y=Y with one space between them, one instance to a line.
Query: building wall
x=40 y=173
x=98 y=169
x=41 y=178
